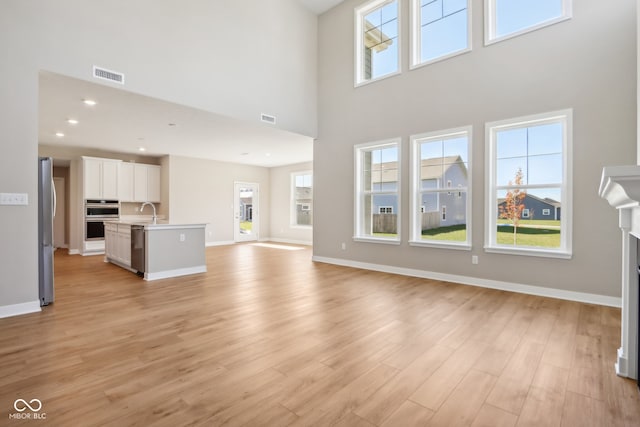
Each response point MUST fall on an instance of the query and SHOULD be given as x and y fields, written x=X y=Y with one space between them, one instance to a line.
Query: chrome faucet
x=154 y=217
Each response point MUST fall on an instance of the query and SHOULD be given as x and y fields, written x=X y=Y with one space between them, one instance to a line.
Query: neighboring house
x=537 y=208
x=246 y=208
x=304 y=205
x=440 y=208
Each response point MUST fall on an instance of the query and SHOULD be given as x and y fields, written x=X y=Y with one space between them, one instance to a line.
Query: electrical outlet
x=183 y=237
x=474 y=259
x=344 y=246
x=15 y=199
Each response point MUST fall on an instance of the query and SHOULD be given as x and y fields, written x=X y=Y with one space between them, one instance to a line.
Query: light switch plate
x=16 y=199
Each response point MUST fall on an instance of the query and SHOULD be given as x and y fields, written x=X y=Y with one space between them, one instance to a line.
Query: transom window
x=441 y=196
x=440 y=29
x=529 y=185
x=377 y=41
x=378 y=192
x=509 y=18
x=302 y=199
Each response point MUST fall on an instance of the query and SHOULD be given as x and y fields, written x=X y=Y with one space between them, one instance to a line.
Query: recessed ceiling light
x=244 y=154
x=268 y=154
x=89 y=102
x=72 y=121
x=141 y=149
x=172 y=124
x=59 y=134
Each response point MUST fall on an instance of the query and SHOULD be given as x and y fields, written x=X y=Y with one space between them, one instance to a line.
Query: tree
x=513 y=205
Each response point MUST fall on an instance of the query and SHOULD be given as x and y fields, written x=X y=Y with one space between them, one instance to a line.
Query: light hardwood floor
x=268 y=338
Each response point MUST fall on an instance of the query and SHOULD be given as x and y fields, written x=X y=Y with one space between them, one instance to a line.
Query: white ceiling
x=320 y=6
x=123 y=121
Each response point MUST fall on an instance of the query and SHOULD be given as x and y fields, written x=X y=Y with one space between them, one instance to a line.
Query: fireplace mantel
x=620 y=186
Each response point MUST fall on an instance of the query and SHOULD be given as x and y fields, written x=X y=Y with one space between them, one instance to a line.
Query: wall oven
x=95 y=213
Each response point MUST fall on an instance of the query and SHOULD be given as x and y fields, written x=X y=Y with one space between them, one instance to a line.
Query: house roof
x=546 y=200
x=430 y=169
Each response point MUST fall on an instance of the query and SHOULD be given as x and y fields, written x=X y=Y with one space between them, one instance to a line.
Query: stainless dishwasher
x=137 y=248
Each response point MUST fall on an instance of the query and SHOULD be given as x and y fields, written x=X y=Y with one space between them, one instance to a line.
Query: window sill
x=528 y=252
x=377 y=79
x=303 y=227
x=417 y=65
x=433 y=244
x=377 y=240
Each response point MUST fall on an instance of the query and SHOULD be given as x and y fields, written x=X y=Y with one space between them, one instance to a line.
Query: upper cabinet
x=139 y=182
x=100 y=178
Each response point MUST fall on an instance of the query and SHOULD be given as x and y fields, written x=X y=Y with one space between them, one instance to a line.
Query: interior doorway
x=246 y=212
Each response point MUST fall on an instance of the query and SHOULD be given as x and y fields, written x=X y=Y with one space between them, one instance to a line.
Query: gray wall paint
x=202 y=192
x=166 y=252
x=587 y=63
x=281 y=205
x=230 y=57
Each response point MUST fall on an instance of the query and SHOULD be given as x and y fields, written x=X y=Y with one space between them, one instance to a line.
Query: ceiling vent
x=268 y=119
x=104 y=74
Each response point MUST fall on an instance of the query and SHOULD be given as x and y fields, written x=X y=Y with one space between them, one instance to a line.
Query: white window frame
x=359 y=13
x=546 y=212
x=294 y=202
x=385 y=208
x=491 y=206
x=358 y=236
x=490 y=22
x=416 y=199
x=416 y=39
x=525 y=213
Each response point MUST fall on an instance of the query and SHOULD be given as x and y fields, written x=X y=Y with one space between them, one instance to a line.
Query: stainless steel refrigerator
x=46 y=212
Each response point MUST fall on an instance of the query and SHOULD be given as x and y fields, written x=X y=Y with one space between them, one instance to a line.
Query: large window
x=302 y=199
x=509 y=18
x=440 y=29
x=441 y=190
x=378 y=192
x=528 y=208
x=377 y=41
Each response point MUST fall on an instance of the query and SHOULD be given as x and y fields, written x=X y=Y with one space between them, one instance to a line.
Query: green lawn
x=453 y=233
x=540 y=237
x=548 y=222
x=526 y=236
x=246 y=226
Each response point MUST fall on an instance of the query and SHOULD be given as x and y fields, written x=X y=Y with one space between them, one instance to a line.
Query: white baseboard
x=74 y=252
x=220 y=243
x=18 y=309
x=175 y=273
x=484 y=283
x=291 y=242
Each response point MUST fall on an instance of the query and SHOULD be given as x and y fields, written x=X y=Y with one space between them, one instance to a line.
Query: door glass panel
x=246 y=211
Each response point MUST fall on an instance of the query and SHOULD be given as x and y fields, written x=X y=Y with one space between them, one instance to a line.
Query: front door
x=246 y=212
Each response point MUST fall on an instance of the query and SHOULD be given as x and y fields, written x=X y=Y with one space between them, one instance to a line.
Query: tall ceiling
x=125 y=122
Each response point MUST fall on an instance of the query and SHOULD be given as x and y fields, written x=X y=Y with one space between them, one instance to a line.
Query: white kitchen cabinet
x=125 y=182
x=100 y=178
x=118 y=243
x=146 y=183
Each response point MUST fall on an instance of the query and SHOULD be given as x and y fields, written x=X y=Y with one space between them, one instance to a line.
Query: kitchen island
x=156 y=250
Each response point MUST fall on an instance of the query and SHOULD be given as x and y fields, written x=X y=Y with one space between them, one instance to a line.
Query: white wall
x=587 y=63
x=281 y=228
x=202 y=191
x=229 y=57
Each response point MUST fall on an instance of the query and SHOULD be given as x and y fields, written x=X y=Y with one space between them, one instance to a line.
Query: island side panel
x=174 y=252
